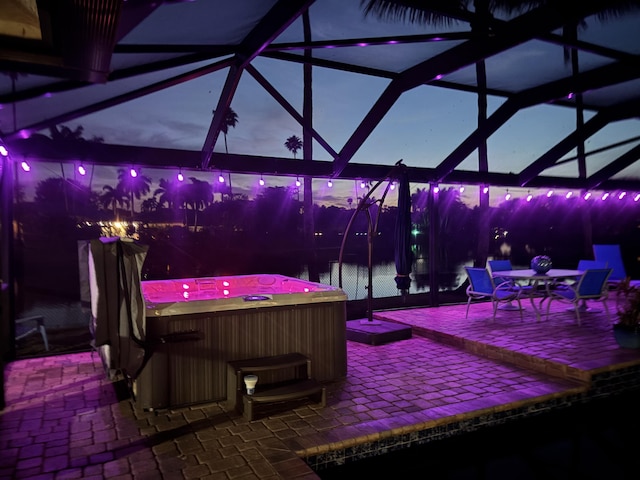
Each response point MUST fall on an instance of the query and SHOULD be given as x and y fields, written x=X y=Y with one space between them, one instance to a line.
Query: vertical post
x=432 y=207
x=7 y=325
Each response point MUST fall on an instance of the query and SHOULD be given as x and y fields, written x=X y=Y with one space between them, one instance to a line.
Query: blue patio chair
x=482 y=287
x=587 y=264
x=612 y=255
x=592 y=285
x=503 y=266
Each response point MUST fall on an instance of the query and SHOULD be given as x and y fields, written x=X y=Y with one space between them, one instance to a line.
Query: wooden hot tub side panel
x=191 y=372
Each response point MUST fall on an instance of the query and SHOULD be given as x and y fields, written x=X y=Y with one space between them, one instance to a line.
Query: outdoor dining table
x=539 y=284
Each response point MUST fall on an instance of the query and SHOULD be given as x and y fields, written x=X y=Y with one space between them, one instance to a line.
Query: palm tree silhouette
x=114 y=198
x=197 y=195
x=293 y=144
x=230 y=120
x=133 y=186
x=168 y=192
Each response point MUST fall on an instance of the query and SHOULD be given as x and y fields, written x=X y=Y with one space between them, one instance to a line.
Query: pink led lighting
x=225 y=292
x=220 y=178
x=3 y=151
x=185 y=295
x=261 y=182
x=306 y=289
x=438 y=77
x=436 y=189
x=25 y=166
x=636 y=198
x=570 y=96
x=507 y=196
x=549 y=193
x=622 y=195
x=81 y=170
x=587 y=195
x=461 y=189
x=363 y=44
x=363 y=185
x=185 y=286
x=568 y=195
x=485 y=190
x=605 y=196
x=529 y=197
x=225 y=283
x=329 y=184
x=133 y=173
x=180 y=177
x=297 y=182
x=392 y=186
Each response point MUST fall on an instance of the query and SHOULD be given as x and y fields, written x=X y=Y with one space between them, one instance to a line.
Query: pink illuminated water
x=211 y=288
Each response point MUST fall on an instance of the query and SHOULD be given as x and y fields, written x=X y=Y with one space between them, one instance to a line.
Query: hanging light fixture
x=508 y=195
x=81 y=170
x=133 y=172
x=297 y=181
x=220 y=178
x=329 y=184
x=261 y=181
x=180 y=176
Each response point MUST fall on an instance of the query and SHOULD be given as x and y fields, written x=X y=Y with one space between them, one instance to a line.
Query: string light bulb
x=261 y=181
x=297 y=181
x=180 y=176
x=81 y=170
x=25 y=166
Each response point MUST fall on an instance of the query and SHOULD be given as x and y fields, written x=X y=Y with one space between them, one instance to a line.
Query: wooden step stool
x=300 y=386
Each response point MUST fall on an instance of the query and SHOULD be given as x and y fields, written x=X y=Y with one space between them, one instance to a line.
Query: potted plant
x=627 y=330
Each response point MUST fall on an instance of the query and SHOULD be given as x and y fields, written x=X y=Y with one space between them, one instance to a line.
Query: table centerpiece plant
x=627 y=329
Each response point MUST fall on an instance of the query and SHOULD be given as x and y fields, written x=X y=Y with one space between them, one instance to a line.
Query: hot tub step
x=236 y=370
x=286 y=393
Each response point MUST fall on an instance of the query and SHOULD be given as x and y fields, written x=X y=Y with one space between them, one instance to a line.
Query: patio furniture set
x=592 y=280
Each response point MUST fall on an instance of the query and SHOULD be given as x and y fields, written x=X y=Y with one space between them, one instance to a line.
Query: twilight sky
x=422 y=128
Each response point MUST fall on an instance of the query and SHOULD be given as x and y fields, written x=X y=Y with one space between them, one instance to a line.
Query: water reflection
x=355 y=279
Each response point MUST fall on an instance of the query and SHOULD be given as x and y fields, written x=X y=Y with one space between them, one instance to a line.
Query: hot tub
x=219 y=319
